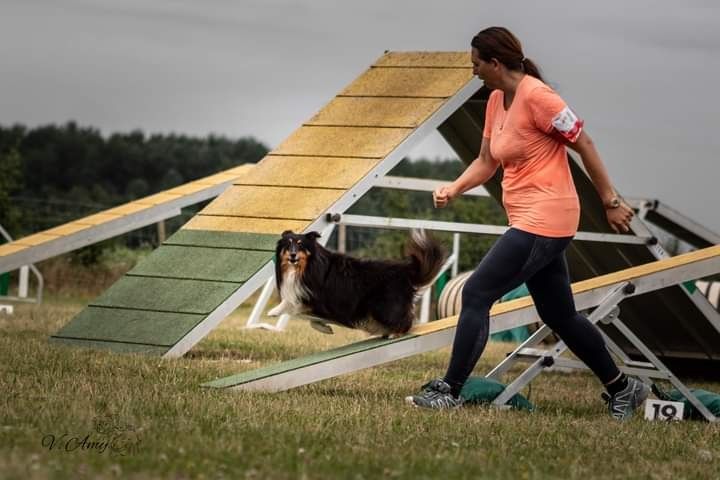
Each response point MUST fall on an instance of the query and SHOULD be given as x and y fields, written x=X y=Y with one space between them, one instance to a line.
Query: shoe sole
x=409 y=400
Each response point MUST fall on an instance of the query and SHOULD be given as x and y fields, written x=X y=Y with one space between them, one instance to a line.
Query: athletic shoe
x=623 y=404
x=436 y=395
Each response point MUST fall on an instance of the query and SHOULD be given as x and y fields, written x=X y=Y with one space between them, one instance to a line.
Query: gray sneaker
x=623 y=404
x=435 y=394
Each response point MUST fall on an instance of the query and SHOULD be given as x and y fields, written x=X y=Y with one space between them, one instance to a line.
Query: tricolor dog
x=372 y=295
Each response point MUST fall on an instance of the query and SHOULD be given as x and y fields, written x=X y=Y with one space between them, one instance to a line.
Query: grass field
x=357 y=426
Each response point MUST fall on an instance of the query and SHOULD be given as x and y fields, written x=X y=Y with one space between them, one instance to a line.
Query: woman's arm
x=479 y=172
x=618 y=216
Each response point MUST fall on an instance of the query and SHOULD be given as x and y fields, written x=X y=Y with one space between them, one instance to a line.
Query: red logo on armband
x=568 y=124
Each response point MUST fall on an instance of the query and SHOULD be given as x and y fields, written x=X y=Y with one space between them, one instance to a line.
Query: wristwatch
x=613 y=203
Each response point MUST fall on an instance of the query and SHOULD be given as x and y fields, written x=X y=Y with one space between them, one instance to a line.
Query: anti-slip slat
x=134 y=326
x=202 y=263
x=213 y=239
x=165 y=295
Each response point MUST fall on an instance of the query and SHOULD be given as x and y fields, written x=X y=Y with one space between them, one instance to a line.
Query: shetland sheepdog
x=372 y=295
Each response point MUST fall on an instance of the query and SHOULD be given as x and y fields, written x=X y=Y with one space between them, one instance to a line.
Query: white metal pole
x=282 y=322
x=425 y=306
x=456 y=253
x=342 y=238
x=261 y=302
x=23 y=283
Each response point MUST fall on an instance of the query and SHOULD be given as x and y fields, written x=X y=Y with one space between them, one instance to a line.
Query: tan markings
x=299 y=266
x=285 y=261
x=302 y=258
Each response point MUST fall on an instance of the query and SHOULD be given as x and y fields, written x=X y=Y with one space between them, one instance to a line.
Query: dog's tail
x=426 y=256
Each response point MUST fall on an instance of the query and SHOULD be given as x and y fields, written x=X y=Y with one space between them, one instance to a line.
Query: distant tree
x=137 y=188
x=171 y=178
x=11 y=181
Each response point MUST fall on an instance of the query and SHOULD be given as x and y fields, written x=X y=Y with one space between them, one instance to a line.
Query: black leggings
x=521 y=257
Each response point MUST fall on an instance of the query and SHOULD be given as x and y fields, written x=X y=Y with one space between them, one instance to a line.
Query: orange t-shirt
x=538 y=191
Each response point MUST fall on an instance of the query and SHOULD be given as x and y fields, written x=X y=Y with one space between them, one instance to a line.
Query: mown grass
x=356 y=426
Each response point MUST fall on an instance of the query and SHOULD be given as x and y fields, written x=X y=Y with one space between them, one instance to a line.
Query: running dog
x=372 y=295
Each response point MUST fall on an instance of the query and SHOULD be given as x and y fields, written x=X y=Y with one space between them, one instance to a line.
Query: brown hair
x=501 y=44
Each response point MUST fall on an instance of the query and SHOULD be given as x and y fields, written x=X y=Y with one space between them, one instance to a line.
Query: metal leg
x=261 y=302
x=615 y=349
x=425 y=307
x=510 y=360
x=607 y=311
x=547 y=358
x=661 y=367
x=259 y=307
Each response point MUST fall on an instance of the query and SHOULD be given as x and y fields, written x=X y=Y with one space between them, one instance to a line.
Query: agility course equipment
x=114 y=221
x=165 y=306
x=603 y=294
x=200 y=275
x=675 y=223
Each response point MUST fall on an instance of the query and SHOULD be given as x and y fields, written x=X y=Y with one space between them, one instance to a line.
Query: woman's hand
x=443 y=195
x=619 y=217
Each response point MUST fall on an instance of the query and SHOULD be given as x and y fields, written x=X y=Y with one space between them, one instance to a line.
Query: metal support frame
x=103 y=231
x=644 y=205
x=458 y=227
x=23 y=281
x=257 y=311
x=700 y=301
x=423 y=185
x=607 y=312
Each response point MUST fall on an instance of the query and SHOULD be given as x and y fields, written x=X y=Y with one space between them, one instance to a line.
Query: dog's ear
x=312 y=236
x=286 y=233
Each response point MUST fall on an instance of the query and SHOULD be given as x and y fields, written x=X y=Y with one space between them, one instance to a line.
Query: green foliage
x=11 y=181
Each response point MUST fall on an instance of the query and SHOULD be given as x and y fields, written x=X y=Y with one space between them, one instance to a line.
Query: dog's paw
x=321 y=327
x=392 y=336
x=276 y=311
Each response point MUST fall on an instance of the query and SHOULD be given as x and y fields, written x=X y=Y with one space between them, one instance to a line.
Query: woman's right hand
x=442 y=196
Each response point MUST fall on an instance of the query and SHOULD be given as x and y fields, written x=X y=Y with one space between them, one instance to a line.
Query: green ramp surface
x=169 y=292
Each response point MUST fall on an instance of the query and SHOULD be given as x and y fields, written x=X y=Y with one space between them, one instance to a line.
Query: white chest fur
x=292 y=291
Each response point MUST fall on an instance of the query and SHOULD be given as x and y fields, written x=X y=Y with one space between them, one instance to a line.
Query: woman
x=527 y=127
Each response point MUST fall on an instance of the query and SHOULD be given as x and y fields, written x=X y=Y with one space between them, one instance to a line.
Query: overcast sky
x=643 y=74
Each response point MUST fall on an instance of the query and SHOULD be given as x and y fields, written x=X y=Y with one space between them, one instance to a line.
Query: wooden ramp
x=588 y=294
x=115 y=221
x=171 y=300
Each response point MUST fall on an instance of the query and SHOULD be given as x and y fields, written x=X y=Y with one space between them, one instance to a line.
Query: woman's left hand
x=619 y=218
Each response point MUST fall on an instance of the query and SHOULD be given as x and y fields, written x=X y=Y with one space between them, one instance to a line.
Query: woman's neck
x=509 y=85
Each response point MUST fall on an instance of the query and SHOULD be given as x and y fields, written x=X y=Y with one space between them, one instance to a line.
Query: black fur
x=349 y=290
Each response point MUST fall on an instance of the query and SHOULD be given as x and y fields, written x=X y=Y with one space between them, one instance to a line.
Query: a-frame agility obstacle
x=179 y=293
